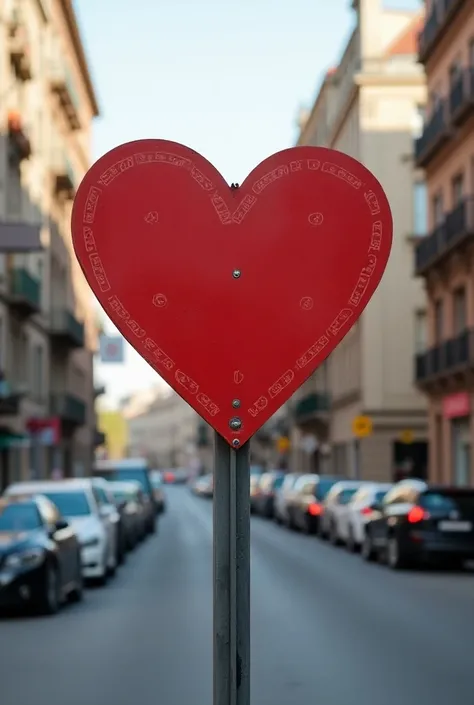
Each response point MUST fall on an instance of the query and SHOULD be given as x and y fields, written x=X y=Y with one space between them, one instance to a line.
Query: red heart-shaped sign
x=234 y=295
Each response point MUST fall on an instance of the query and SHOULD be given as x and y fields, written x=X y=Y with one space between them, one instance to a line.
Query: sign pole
x=231 y=567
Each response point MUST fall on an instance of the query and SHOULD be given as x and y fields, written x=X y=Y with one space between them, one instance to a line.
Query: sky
x=225 y=77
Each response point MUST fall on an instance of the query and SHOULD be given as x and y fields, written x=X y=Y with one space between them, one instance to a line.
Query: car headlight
x=31 y=558
x=89 y=543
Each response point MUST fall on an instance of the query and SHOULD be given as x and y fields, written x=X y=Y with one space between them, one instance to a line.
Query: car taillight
x=366 y=511
x=315 y=509
x=417 y=514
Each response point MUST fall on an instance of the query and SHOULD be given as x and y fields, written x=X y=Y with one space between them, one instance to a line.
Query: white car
x=334 y=507
x=77 y=502
x=353 y=518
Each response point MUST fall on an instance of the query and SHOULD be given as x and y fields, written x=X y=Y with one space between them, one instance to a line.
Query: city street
x=327 y=628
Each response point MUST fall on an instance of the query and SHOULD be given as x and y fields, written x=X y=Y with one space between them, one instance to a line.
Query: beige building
x=165 y=429
x=371 y=107
x=47 y=324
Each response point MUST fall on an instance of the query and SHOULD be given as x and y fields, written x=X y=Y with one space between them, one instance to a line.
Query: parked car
x=77 y=503
x=132 y=469
x=203 y=486
x=334 y=506
x=353 y=515
x=417 y=523
x=305 y=505
x=40 y=556
x=108 y=511
x=127 y=500
x=254 y=490
x=157 y=483
x=283 y=496
x=270 y=482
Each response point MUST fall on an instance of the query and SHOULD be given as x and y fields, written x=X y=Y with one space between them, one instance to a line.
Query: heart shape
x=233 y=295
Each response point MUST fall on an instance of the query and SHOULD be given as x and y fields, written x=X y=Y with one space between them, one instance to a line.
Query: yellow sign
x=362 y=426
x=283 y=444
x=407 y=436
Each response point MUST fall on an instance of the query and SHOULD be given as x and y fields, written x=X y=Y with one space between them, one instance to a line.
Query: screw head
x=235 y=423
x=236 y=403
x=236 y=442
x=236 y=273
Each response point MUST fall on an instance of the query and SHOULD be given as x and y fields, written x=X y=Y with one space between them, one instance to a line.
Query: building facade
x=445 y=258
x=47 y=324
x=166 y=431
x=370 y=107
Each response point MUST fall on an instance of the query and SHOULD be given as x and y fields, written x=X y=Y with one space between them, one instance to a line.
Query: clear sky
x=225 y=77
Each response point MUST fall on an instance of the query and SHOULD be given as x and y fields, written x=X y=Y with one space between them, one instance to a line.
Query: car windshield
x=70 y=504
x=323 y=487
x=126 y=474
x=347 y=494
x=380 y=494
x=278 y=481
x=19 y=517
x=124 y=495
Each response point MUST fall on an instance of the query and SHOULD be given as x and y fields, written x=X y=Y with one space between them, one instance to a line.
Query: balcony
x=436 y=133
x=64 y=179
x=70 y=409
x=24 y=292
x=437 y=22
x=63 y=87
x=66 y=329
x=461 y=99
x=98 y=391
x=18 y=135
x=455 y=232
x=452 y=356
x=19 y=49
x=311 y=406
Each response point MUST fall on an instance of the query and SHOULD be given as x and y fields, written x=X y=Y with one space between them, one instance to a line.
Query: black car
x=417 y=523
x=305 y=506
x=40 y=558
x=270 y=482
x=128 y=502
x=136 y=469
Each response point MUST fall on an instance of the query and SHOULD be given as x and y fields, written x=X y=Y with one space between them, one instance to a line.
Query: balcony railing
x=66 y=328
x=311 y=406
x=24 y=291
x=20 y=54
x=435 y=133
x=69 y=408
x=456 y=229
x=441 y=15
x=450 y=356
x=461 y=99
x=63 y=86
x=64 y=178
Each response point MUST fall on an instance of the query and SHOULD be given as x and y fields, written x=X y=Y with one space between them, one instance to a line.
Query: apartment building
x=370 y=106
x=445 y=258
x=47 y=325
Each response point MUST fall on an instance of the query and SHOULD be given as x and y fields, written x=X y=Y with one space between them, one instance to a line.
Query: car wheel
x=394 y=555
x=350 y=543
x=367 y=550
x=333 y=537
x=50 y=600
x=77 y=594
x=307 y=525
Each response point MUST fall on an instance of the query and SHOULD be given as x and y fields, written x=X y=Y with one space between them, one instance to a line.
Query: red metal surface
x=159 y=234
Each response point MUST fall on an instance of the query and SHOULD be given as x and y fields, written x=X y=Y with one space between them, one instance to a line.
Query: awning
x=13 y=440
x=19 y=237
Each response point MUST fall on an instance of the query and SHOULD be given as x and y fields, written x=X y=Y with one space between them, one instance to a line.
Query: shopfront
x=457 y=410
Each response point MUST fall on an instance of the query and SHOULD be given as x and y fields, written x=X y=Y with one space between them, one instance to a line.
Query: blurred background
x=392 y=85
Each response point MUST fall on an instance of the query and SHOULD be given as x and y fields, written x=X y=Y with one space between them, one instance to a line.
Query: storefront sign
x=456 y=405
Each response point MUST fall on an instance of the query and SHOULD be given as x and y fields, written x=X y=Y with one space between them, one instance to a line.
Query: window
x=420 y=209
x=438 y=321
x=454 y=72
x=459 y=311
x=438 y=209
x=421 y=331
x=37 y=371
x=457 y=189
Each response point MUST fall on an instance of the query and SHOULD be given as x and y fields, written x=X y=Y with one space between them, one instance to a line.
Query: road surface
x=328 y=629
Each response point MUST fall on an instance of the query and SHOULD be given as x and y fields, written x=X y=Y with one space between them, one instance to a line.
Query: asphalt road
x=328 y=629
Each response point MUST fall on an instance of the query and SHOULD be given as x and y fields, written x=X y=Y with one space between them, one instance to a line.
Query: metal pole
x=231 y=562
